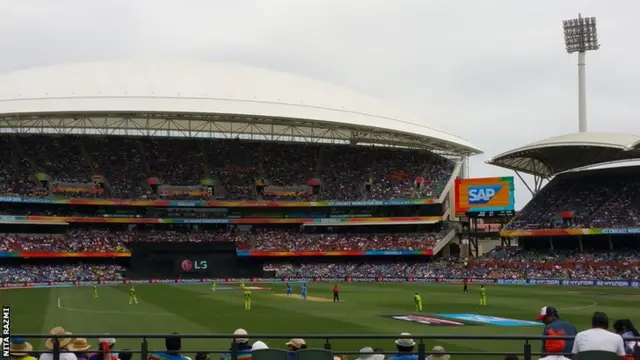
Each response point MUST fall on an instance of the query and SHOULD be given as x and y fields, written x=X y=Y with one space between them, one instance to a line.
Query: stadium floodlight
x=581 y=35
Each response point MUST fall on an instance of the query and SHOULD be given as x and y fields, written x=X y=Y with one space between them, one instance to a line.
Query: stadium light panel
x=580 y=35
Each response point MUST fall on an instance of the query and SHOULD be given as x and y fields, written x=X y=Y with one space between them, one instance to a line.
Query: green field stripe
x=196 y=309
x=112 y=313
x=28 y=308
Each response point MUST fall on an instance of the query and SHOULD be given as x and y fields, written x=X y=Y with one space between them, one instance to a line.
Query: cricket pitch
x=309 y=298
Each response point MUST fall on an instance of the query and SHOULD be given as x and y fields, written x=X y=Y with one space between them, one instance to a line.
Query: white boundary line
x=593 y=303
x=103 y=312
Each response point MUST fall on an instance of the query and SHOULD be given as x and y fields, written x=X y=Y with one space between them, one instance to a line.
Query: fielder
x=247 y=300
x=418 y=300
x=483 y=296
x=213 y=285
x=132 y=295
x=95 y=290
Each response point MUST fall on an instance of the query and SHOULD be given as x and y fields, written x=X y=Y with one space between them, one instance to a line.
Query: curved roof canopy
x=207 y=97
x=567 y=152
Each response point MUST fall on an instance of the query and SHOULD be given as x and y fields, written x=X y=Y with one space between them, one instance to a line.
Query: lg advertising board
x=484 y=194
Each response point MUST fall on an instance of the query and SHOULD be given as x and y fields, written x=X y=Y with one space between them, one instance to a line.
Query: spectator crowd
x=131 y=168
x=597 y=199
x=597 y=342
x=91 y=240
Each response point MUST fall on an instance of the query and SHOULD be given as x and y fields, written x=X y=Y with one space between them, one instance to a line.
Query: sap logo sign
x=479 y=195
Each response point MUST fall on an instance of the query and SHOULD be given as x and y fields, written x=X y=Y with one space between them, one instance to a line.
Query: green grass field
x=195 y=309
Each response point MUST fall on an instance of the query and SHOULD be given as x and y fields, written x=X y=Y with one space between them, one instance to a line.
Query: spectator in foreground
x=294 y=345
x=20 y=349
x=598 y=338
x=201 y=356
x=379 y=353
x=259 y=345
x=554 y=352
x=111 y=342
x=242 y=341
x=105 y=347
x=173 y=344
x=625 y=328
x=405 y=346
x=554 y=326
x=80 y=346
x=63 y=341
x=438 y=353
x=125 y=354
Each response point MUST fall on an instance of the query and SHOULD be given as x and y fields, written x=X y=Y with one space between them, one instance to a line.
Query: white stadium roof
x=185 y=97
x=554 y=155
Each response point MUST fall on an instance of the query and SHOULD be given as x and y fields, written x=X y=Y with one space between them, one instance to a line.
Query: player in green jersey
x=247 y=300
x=132 y=295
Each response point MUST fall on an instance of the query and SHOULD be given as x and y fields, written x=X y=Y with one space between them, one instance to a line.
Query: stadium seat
x=597 y=355
x=314 y=354
x=270 y=354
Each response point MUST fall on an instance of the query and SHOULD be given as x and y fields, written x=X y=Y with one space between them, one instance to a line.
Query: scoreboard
x=490 y=214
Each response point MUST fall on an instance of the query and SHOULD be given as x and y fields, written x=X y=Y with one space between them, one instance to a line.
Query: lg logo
x=188 y=265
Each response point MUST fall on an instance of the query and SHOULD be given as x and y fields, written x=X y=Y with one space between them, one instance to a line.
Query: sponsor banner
x=180 y=203
x=484 y=194
x=130 y=220
x=558 y=282
x=490 y=320
x=243 y=253
x=287 y=190
x=425 y=320
x=49 y=255
x=569 y=232
x=570 y=282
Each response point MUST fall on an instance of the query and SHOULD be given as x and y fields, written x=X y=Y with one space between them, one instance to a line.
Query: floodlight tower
x=580 y=35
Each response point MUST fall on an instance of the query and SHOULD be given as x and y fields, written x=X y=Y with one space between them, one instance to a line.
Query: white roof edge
x=203 y=88
x=620 y=141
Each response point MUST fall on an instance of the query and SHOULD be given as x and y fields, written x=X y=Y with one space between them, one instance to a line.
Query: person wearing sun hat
x=242 y=343
x=19 y=349
x=294 y=345
x=438 y=353
x=79 y=346
x=405 y=346
x=64 y=340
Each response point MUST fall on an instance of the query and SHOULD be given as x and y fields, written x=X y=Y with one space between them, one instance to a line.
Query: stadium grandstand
x=103 y=157
x=109 y=159
x=585 y=221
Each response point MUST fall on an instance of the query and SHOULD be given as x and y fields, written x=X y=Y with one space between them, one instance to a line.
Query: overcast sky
x=493 y=71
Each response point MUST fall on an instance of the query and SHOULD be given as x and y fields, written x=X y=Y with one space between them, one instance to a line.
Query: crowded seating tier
x=597 y=199
x=149 y=168
x=107 y=241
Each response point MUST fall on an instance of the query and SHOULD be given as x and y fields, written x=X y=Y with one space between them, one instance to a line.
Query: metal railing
x=527 y=352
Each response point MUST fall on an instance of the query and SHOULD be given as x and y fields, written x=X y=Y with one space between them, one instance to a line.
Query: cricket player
x=95 y=290
x=132 y=295
x=213 y=285
x=483 y=296
x=242 y=284
x=303 y=292
x=418 y=300
x=247 y=300
x=289 y=289
x=465 y=289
